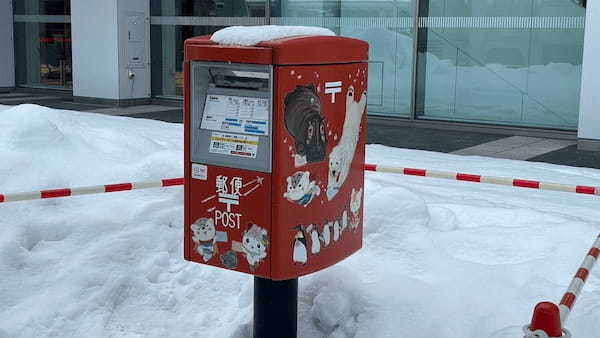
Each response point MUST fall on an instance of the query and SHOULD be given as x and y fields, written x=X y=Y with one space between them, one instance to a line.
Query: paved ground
x=168 y=112
x=537 y=149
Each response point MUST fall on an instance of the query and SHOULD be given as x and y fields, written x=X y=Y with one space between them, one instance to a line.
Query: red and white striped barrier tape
x=96 y=189
x=574 y=289
x=55 y=193
x=579 y=189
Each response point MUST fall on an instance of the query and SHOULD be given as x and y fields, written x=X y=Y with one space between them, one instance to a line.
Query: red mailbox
x=274 y=153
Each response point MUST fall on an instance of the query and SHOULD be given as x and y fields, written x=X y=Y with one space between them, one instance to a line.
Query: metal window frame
x=415 y=56
x=39 y=18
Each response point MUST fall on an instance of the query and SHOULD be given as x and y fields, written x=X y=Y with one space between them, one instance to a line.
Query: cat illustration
x=255 y=241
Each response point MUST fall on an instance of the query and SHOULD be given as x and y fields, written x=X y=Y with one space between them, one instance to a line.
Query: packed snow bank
x=440 y=259
x=252 y=35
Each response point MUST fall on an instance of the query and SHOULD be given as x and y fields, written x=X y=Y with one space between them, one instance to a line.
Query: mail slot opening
x=227 y=78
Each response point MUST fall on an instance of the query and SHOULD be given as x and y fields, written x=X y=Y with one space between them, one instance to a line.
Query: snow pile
x=252 y=35
x=440 y=259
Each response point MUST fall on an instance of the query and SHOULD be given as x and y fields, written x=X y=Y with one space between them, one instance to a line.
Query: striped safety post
x=548 y=319
x=96 y=189
x=568 y=300
x=514 y=182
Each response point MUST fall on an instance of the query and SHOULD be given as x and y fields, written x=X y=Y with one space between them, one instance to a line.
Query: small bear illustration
x=204 y=237
x=300 y=189
x=355 y=203
x=255 y=241
x=305 y=123
x=342 y=154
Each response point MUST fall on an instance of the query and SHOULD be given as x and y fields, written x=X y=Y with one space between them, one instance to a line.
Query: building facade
x=510 y=63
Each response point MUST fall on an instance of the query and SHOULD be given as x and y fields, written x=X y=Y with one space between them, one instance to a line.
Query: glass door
x=174 y=21
x=43 y=43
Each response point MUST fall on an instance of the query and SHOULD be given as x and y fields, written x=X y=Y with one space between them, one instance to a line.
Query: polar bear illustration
x=301 y=189
x=342 y=154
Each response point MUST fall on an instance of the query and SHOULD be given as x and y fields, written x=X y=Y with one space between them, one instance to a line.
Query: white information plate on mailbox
x=247 y=115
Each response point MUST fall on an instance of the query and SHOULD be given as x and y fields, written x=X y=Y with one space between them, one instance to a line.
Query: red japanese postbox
x=274 y=153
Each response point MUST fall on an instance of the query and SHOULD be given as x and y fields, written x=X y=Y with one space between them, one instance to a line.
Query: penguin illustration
x=300 y=253
x=315 y=244
x=337 y=231
x=326 y=234
x=344 y=220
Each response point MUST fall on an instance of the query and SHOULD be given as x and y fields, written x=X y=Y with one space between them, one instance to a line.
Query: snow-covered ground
x=440 y=259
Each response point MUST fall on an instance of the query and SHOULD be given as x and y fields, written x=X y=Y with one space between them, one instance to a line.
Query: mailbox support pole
x=275 y=308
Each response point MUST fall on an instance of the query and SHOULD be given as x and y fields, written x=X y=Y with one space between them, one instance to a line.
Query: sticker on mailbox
x=248 y=115
x=199 y=171
x=233 y=144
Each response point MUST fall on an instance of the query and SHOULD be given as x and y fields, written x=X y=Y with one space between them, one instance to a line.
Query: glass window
x=43 y=43
x=386 y=25
x=174 y=21
x=509 y=62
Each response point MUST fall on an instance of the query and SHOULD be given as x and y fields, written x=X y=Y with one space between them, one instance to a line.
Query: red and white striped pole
x=574 y=289
x=548 y=319
x=96 y=189
x=515 y=182
x=55 y=193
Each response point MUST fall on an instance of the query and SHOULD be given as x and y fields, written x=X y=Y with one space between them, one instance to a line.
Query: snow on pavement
x=440 y=259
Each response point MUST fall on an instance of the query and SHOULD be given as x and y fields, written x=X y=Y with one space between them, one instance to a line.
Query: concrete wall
x=95 y=48
x=7 y=52
x=589 y=110
x=103 y=48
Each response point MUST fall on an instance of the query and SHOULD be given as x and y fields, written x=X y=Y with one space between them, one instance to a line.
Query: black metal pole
x=275 y=308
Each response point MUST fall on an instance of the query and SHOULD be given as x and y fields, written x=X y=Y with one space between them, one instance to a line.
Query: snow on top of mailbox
x=252 y=35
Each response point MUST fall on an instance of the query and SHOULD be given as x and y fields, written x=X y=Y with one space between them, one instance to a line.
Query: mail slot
x=274 y=153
